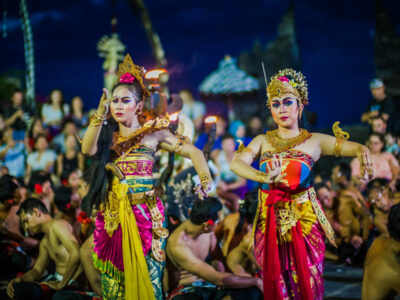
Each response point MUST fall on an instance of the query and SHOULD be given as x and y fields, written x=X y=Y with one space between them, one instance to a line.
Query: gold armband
x=182 y=140
x=96 y=120
x=204 y=180
x=242 y=148
x=341 y=136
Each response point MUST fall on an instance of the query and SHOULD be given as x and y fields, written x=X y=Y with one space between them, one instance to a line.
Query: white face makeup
x=124 y=105
x=285 y=110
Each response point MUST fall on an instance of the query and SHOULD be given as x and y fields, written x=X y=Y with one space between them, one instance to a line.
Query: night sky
x=336 y=40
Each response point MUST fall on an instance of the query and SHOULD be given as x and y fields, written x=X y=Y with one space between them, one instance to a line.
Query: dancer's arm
x=171 y=143
x=89 y=142
x=327 y=144
x=183 y=258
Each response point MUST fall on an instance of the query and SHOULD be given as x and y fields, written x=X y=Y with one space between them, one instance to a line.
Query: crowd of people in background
x=42 y=178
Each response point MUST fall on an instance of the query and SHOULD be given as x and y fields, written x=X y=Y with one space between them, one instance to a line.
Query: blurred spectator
x=71 y=159
x=42 y=159
x=378 y=198
x=66 y=204
x=378 y=125
x=386 y=165
x=220 y=131
x=195 y=110
x=240 y=258
x=381 y=278
x=54 y=111
x=381 y=104
x=237 y=130
x=41 y=187
x=231 y=187
x=17 y=115
x=330 y=205
x=68 y=127
x=36 y=128
x=255 y=127
x=77 y=114
x=353 y=216
x=391 y=144
x=13 y=153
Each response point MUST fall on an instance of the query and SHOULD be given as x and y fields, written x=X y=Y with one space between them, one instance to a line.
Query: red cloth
x=272 y=268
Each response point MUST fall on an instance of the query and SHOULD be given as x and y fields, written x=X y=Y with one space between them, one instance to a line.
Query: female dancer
x=129 y=235
x=290 y=228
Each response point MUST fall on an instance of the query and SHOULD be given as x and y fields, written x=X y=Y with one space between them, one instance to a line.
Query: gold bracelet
x=204 y=179
x=261 y=177
x=338 y=147
x=95 y=120
x=179 y=147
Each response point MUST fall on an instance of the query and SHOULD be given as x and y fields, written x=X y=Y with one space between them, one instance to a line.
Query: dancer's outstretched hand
x=273 y=173
x=367 y=170
x=104 y=105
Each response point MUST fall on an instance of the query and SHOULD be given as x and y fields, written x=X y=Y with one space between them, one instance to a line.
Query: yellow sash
x=137 y=278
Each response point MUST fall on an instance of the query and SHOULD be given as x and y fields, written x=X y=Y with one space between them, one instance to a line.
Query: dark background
x=335 y=38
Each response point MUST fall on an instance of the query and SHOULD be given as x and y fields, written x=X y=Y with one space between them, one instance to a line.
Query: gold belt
x=287 y=217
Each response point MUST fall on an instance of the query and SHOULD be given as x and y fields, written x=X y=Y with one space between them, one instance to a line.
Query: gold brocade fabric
x=281 y=144
x=304 y=207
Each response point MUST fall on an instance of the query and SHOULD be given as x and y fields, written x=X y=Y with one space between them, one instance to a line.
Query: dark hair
x=378 y=117
x=29 y=204
x=248 y=209
x=66 y=122
x=98 y=177
x=38 y=177
x=30 y=129
x=377 y=183
x=38 y=137
x=321 y=185
x=227 y=136
x=325 y=176
x=345 y=170
x=135 y=88
x=204 y=210
x=394 y=222
x=7 y=187
x=62 y=100
x=381 y=137
x=62 y=196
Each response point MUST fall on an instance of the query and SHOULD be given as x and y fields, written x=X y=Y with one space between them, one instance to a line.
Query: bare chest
x=56 y=249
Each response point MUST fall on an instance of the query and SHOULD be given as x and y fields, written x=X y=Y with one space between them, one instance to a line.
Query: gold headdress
x=287 y=81
x=128 y=68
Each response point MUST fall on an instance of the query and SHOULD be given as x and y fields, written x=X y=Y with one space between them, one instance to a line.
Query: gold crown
x=295 y=85
x=127 y=66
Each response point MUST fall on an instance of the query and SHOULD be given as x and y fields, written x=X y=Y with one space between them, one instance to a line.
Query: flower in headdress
x=127 y=78
x=210 y=222
x=283 y=79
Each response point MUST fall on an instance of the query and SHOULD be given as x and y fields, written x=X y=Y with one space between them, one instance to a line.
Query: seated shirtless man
x=189 y=246
x=382 y=265
x=353 y=216
x=58 y=244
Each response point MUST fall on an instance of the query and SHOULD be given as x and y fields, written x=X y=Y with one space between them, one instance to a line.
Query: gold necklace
x=281 y=144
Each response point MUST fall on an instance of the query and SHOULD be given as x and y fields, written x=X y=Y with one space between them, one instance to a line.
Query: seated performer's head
x=33 y=213
x=287 y=94
x=341 y=175
x=205 y=213
x=248 y=210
